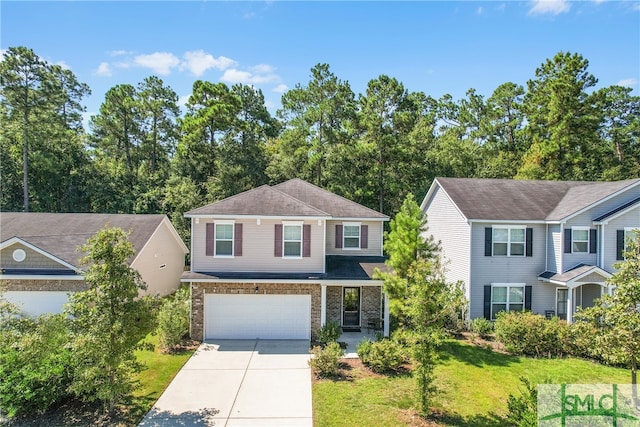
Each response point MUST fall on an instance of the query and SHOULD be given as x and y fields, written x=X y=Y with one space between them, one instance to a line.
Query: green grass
x=473 y=386
x=161 y=369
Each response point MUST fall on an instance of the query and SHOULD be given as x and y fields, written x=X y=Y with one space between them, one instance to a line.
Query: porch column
x=570 y=306
x=323 y=305
x=386 y=314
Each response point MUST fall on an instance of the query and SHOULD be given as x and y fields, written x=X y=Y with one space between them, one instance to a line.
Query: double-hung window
x=292 y=240
x=630 y=234
x=580 y=239
x=507 y=297
x=509 y=240
x=224 y=239
x=351 y=236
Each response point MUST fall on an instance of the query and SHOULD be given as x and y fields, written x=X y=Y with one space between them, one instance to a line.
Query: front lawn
x=473 y=382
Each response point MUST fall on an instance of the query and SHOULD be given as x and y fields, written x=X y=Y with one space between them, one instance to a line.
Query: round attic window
x=19 y=255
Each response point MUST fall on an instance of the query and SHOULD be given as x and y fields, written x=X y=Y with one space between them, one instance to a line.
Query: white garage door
x=35 y=303
x=257 y=316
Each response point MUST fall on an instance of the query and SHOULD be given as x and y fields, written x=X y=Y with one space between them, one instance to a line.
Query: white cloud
x=628 y=82
x=160 y=62
x=104 y=70
x=119 y=52
x=281 y=88
x=238 y=76
x=198 y=61
x=269 y=104
x=553 y=7
x=480 y=10
x=262 y=69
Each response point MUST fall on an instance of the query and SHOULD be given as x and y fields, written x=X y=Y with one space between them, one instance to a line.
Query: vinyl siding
x=257 y=250
x=374 y=244
x=629 y=219
x=450 y=228
x=33 y=259
x=554 y=248
x=162 y=249
x=502 y=269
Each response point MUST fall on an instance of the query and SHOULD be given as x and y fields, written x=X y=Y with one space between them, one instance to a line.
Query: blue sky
x=434 y=47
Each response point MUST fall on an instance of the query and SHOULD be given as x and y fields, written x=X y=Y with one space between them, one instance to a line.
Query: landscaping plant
x=382 y=356
x=173 y=320
x=330 y=332
x=326 y=361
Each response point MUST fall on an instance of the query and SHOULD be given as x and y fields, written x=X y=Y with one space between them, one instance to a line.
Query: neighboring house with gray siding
x=278 y=262
x=40 y=262
x=544 y=246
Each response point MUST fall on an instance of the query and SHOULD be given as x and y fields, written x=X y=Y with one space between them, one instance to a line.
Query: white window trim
x=509 y=227
x=556 y=306
x=215 y=238
x=580 y=228
x=293 y=224
x=508 y=286
x=344 y=235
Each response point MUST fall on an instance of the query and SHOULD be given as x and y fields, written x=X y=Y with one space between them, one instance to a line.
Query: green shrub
x=326 y=361
x=522 y=411
x=363 y=349
x=382 y=356
x=35 y=365
x=173 y=320
x=330 y=332
x=533 y=335
x=481 y=326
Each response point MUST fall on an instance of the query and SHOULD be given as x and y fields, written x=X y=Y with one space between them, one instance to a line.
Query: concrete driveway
x=239 y=383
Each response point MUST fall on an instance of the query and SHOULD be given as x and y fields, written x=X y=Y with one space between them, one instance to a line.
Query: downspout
x=546 y=248
x=467 y=289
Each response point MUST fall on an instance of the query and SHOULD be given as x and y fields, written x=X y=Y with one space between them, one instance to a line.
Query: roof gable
x=60 y=234
x=519 y=200
x=336 y=206
x=261 y=201
x=25 y=245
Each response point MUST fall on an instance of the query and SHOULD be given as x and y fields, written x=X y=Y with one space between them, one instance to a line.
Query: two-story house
x=278 y=262
x=40 y=261
x=544 y=246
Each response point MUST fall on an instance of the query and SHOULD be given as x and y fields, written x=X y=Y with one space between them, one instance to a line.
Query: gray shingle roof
x=337 y=206
x=60 y=234
x=263 y=200
x=293 y=198
x=507 y=199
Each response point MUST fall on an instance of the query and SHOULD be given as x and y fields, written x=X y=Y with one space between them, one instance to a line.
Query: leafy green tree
x=620 y=132
x=405 y=244
x=617 y=316
x=319 y=115
x=387 y=115
x=22 y=78
x=116 y=129
x=109 y=320
x=242 y=160
x=420 y=297
x=212 y=110
x=562 y=121
x=50 y=155
x=159 y=111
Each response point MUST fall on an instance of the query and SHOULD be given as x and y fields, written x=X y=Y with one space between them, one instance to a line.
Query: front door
x=351 y=307
x=561 y=302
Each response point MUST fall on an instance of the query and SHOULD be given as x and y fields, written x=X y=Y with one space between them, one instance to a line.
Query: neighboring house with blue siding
x=544 y=246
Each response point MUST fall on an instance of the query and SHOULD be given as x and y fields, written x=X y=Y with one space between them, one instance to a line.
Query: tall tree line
x=143 y=154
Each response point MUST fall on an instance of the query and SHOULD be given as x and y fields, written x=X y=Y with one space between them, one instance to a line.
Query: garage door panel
x=257 y=316
x=35 y=303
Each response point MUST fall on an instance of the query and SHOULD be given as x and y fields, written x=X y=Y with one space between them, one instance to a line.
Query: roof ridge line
x=298 y=200
x=332 y=194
